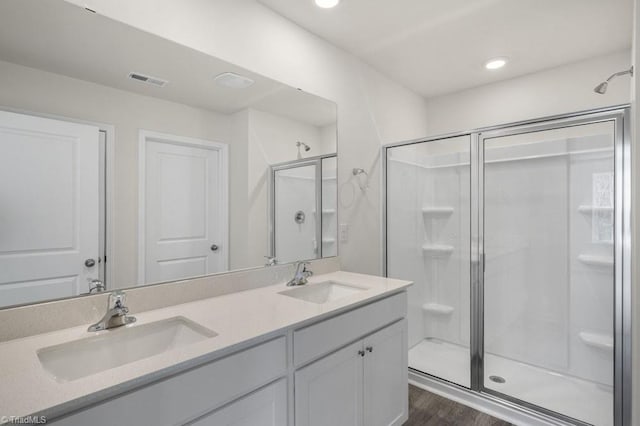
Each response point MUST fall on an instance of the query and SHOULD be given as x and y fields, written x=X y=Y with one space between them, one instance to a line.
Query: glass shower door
x=548 y=225
x=428 y=242
x=296 y=202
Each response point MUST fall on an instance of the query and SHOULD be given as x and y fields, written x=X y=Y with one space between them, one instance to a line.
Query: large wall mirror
x=127 y=159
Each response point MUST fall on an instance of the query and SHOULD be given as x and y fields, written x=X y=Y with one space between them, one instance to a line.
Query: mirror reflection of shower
x=602 y=87
x=303 y=209
x=307 y=148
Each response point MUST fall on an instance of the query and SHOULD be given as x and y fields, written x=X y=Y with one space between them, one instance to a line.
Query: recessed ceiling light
x=327 y=4
x=233 y=80
x=495 y=63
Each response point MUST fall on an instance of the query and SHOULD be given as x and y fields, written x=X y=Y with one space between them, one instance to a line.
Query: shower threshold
x=581 y=399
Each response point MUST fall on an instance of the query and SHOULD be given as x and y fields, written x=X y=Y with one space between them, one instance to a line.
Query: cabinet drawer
x=189 y=395
x=265 y=407
x=318 y=339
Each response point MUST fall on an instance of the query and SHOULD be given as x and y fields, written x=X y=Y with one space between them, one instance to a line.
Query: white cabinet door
x=386 y=376
x=49 y=212
x=329 y=391
x=265 y=407
x=183 y=208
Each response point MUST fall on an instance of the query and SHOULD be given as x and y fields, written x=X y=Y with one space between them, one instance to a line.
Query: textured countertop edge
x=59 y=411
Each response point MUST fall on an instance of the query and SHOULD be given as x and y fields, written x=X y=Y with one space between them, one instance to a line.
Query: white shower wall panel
x=447 y=275
x=526 y=278
x=544 y=304
x=428 y=238
x=329 y=207
x=403 y=247
x=592 y=286
x=295 y=191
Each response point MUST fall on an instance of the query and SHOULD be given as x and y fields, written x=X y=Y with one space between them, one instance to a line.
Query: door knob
x=90 y=263
x=214 y=247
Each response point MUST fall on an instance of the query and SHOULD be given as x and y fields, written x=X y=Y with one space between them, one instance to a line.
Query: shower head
x=307 y=148
x=602 y=87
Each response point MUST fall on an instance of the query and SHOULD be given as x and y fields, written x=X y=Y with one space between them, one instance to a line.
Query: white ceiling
x=57 y=37
x=440 y=46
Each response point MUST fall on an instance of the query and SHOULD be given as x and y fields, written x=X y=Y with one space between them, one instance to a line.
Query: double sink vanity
x=332 y=351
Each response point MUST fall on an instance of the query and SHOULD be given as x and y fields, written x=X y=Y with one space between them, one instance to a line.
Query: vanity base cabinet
x=346 y=370
x=264 y=407
x=386 y=376
x=364 y=383
x=184 y=397
x=329 y=391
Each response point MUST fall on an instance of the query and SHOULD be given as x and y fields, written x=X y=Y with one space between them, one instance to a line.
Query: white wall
x=372 y=109
x=36 y=91
x=556 y=91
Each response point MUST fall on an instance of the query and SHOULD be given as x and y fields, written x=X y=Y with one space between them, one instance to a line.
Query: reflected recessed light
x=233 y=80
x=327 y=4
x=495 y=63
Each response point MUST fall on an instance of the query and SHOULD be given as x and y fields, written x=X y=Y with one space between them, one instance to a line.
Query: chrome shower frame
x=309 y=161
x=478 y=393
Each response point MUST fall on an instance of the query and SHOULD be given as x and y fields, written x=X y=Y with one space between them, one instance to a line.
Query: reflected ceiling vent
x=233 y=80
x=148 y=79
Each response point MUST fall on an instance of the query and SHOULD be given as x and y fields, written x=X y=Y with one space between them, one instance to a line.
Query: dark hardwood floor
x=428 y=409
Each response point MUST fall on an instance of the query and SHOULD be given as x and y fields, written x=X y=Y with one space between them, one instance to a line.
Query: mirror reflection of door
x=183 y=208
x=50 y=215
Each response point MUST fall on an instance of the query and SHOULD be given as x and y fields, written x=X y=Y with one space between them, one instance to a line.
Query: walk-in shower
x=514 y=237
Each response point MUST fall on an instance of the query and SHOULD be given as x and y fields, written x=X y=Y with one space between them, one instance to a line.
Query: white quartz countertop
x=238 y=318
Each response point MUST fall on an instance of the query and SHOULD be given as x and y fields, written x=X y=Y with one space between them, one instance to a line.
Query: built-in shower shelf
x=437 y=211
x=437 y=309
x=437 y=250
x=595 y=260
x=594 y=209
x=597 y=340
x=327 y=211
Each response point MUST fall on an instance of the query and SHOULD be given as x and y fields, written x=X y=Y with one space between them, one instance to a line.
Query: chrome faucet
x=300 y=276
x=96 y=286
x=116 y=315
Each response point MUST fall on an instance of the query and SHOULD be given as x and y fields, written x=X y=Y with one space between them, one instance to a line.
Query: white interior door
x=49 y=208
x=183 y=209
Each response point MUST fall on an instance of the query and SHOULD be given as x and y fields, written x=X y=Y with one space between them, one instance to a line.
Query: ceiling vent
x=233 y=80
x=148 y=79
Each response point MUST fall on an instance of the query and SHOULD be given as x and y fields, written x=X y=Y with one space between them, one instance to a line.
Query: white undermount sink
x=119 y=346
x=326 y=291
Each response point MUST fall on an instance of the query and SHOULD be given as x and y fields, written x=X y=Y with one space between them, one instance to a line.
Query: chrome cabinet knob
x=214 y=247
